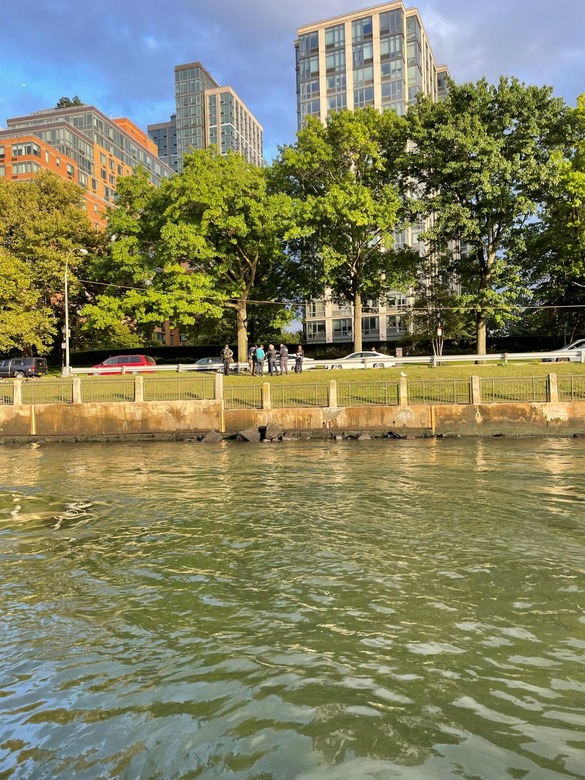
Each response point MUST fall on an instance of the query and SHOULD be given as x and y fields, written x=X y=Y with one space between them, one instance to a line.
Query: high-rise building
x=206 y=114
x=82 y=145
x=380 y=57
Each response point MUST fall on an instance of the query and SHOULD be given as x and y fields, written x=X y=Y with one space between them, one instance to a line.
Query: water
x=310 y=610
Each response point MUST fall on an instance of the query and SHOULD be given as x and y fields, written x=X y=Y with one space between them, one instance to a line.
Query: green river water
x=306 y=609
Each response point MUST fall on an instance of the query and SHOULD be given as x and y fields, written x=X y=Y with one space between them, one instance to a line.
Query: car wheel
x=378 y=365
x=18 y=375
x=337 y=367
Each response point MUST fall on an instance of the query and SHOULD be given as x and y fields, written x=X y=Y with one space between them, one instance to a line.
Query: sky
x=119 y=55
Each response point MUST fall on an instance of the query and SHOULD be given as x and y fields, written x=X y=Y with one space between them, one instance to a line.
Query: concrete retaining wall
x=183 y=418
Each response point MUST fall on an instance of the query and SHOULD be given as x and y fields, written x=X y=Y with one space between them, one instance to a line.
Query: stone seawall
x=184 y=419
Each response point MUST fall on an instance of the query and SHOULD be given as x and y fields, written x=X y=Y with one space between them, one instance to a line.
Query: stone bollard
x=475 y=390
x=333 y=394
x=218 y=392
x=76 y=390
x=138 y=389
x=266 y=398
x=17 y=393
x=403 y=392
x=552 y=389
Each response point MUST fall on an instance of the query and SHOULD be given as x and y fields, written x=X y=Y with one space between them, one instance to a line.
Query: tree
x=484 y=159
x=26 y=324
x=42 y=222
x=344 y=176
x=201 y=243
x=557 y=244
x=66 y=102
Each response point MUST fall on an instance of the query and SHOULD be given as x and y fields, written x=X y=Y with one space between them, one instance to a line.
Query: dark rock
x=250 y=434
x=274 y=431
x=394 y=435
x=212 y=437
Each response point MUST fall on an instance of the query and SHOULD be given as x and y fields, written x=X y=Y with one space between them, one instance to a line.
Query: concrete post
x=403 y=392
x=17 y=393
x=76 y=390
x=266 y=399
x=333 y=394
x=218 y=391
x=475 y=390
x=552 y=389
x=138 y=389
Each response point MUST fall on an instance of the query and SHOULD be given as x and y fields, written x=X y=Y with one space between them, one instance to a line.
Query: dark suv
x=21 y=367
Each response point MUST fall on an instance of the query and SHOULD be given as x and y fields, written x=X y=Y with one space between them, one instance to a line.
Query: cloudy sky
x=120 y=54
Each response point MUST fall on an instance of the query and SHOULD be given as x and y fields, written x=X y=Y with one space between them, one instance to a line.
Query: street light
x=81 y=251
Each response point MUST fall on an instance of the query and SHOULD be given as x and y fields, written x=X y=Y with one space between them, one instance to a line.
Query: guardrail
x=236 y=368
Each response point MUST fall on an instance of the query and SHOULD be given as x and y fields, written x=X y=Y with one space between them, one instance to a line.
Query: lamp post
x=81 y=251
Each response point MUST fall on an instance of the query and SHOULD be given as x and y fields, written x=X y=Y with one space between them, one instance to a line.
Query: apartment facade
x=83 y=145
x=206 y=114
x=381 y=57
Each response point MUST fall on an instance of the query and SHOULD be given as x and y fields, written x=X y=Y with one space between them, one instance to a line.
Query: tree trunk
x=357 y=323
x=241 y=329
x=481 y=334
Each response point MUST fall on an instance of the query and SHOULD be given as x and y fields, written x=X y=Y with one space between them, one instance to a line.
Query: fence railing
x=498 y=389
x=368 y=393
x=333 y=393
x=439 y=391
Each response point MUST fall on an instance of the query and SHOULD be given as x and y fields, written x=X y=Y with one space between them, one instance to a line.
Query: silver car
x=576 y=347
x=368 y=359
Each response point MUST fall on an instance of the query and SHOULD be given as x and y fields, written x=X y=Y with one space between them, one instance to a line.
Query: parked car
x=576 y=347
x=369 y=359
x=132 y=364
x=216 y=364
x=21 y=367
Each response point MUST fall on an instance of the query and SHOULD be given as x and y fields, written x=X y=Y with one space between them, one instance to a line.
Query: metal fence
x=249 y=397
x=571 y=388
x=439 y=391
x=367 y=393
x=522 y=389
x=49 y=392
x=6 y=393
x=178 y=388
x=104 y=390
x=305 y=395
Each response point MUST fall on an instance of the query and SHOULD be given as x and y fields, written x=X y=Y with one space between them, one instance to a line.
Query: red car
x=131 y=364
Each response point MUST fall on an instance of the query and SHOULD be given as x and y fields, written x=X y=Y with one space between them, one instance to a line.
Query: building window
x=363 y=97
x=342 y=329
x=70 y=170
x=22 y=150
x=316 y=330
x=363 y=54
x=395 y=325
x=396 y=301
x=25 y=167
x=309 y=43
x=335 y=37
x=371 y=327
x=391 y=22
x=2 y=152
x=316 y=309
x=335 y=61
x=2 y=170
x=361 y=29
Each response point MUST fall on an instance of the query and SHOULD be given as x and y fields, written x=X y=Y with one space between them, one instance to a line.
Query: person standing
x=226 y=355
x=299 y=355
x=271 y=356
x=260 y=355
x=283 y=351
x=252 y=359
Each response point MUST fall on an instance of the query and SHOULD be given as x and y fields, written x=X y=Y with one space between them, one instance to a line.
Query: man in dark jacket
x=271 y=357
x=283 y=359
x=226 y=355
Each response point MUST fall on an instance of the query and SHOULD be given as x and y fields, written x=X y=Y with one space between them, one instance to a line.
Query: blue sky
x=120 y=54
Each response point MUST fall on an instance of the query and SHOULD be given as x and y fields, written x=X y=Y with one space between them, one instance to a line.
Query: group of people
x=257 y=355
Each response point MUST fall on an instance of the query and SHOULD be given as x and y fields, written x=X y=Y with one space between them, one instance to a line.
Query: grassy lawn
x=451 y=371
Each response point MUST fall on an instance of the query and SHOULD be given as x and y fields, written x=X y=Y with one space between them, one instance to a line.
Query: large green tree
x=557 y=244
x=43 y=224
x=344 y=176
x=484 y=159
x=207 y=240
